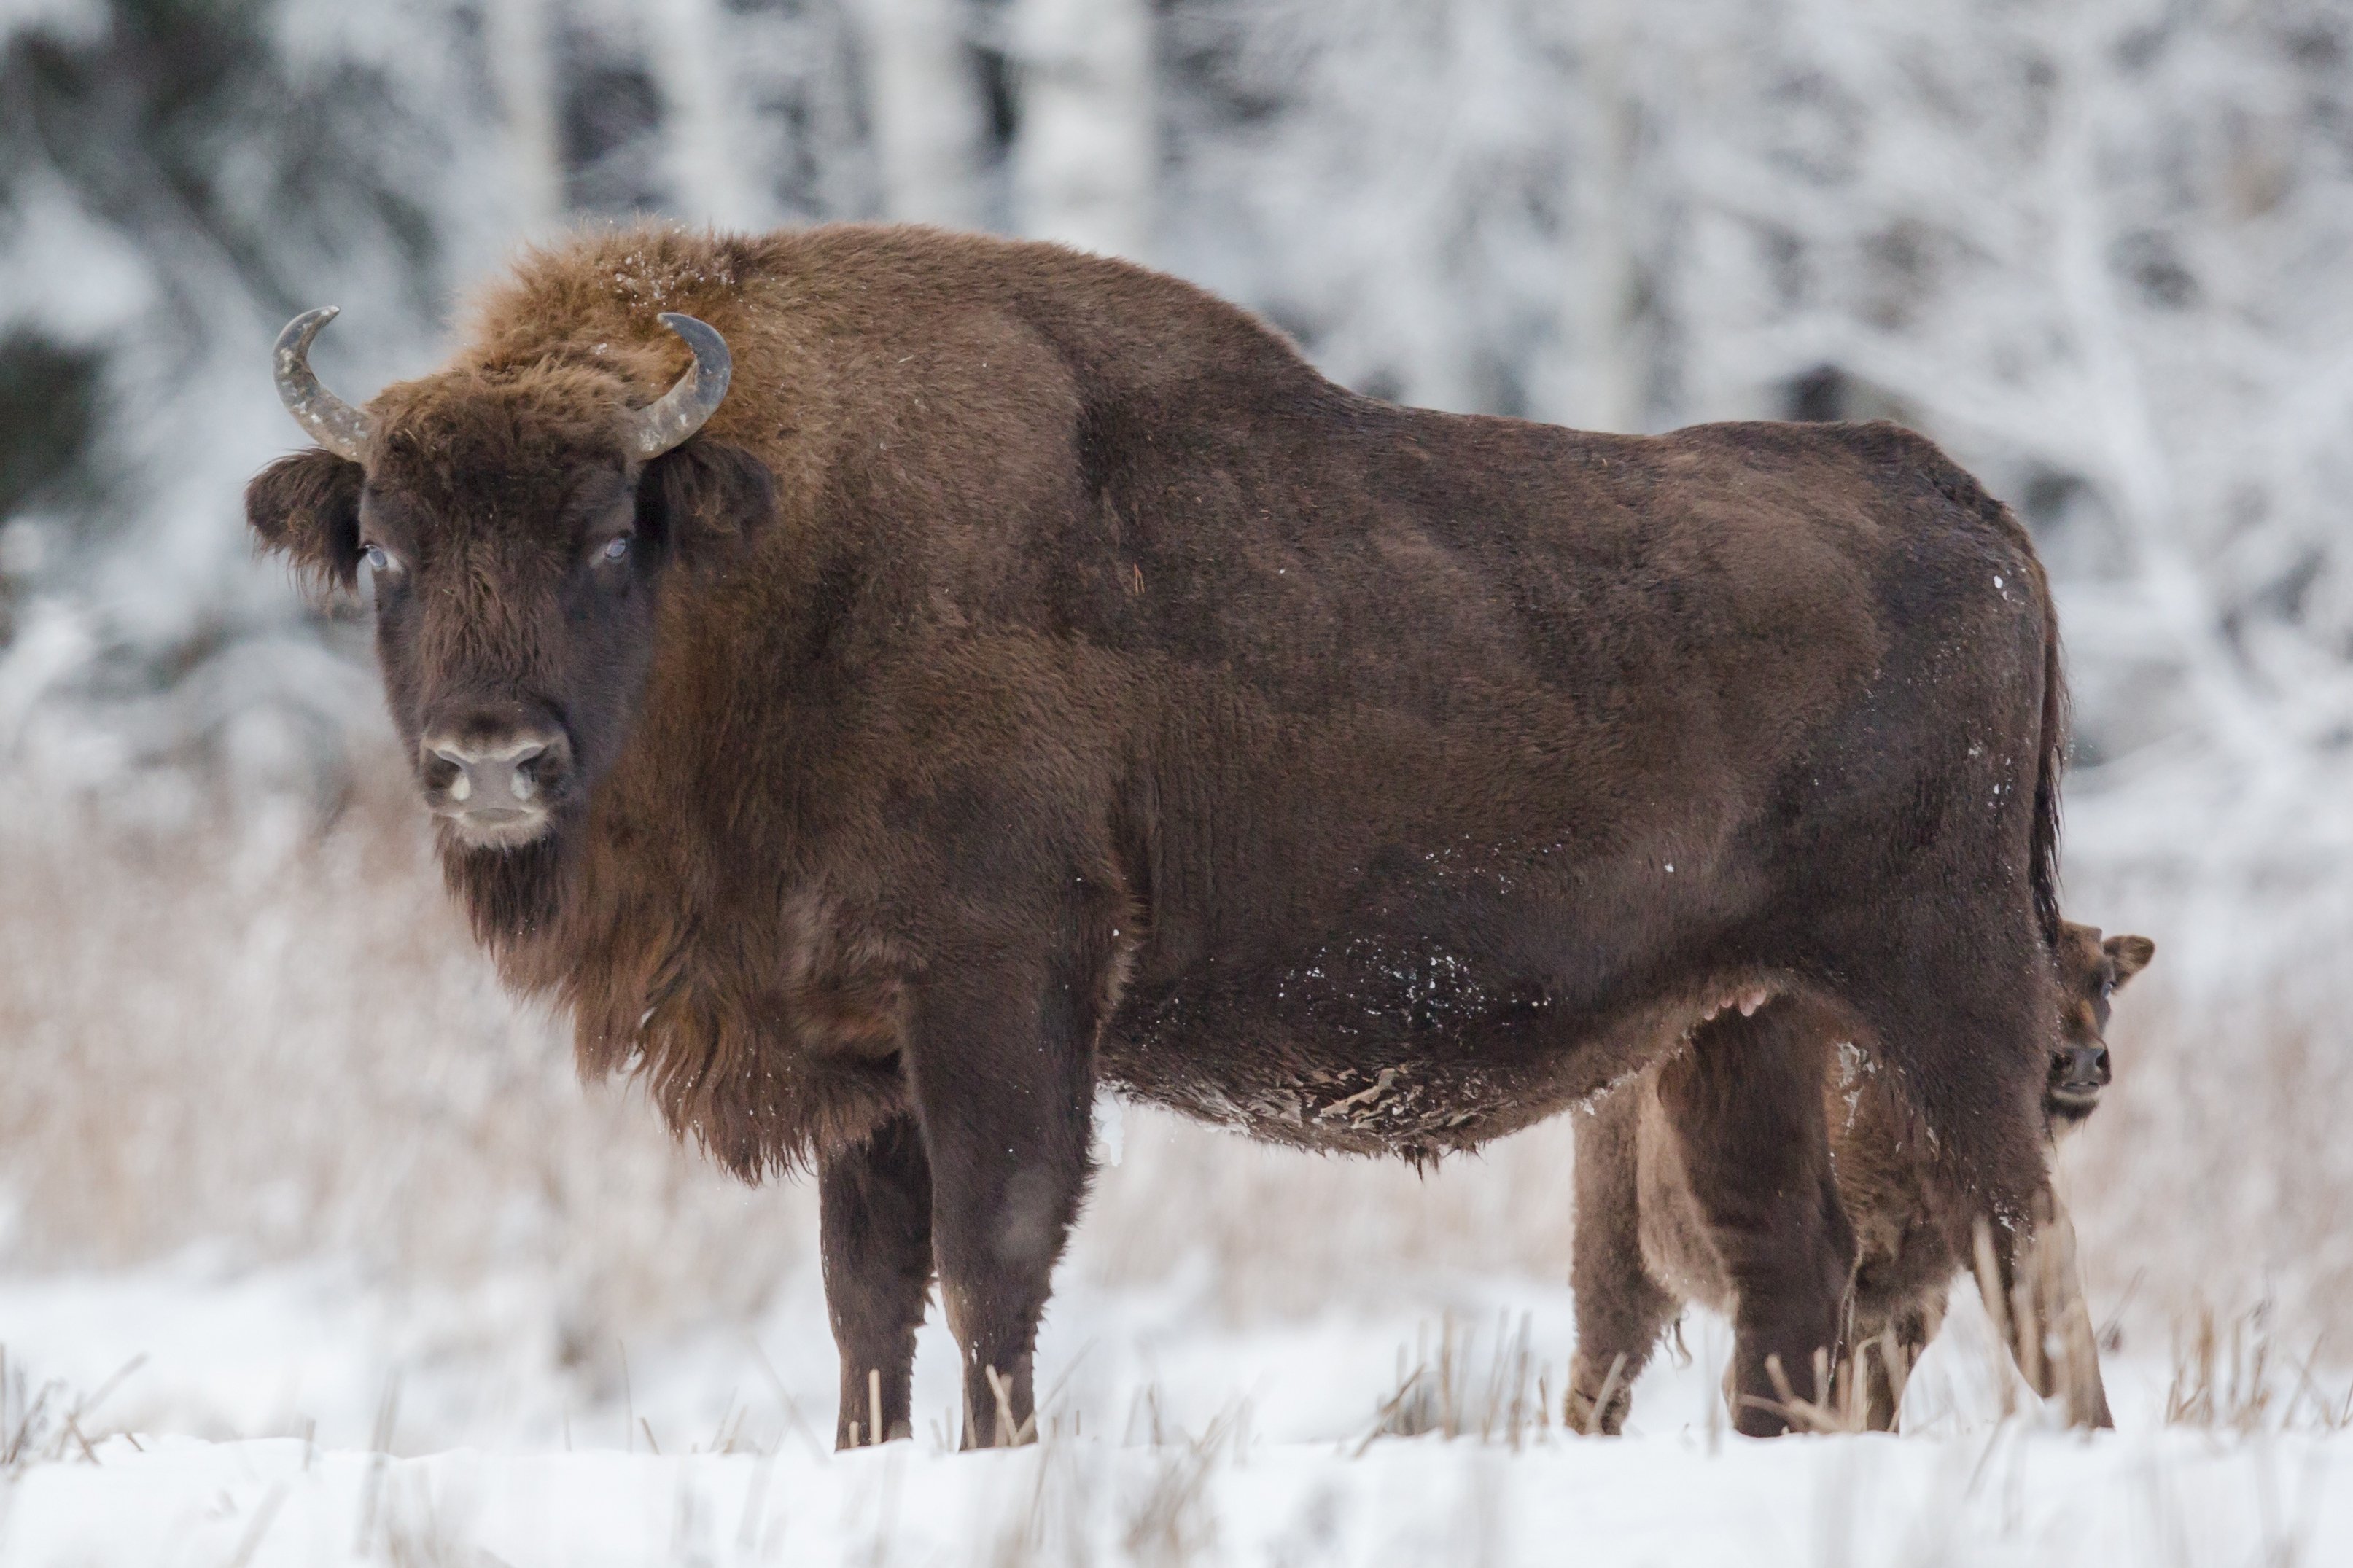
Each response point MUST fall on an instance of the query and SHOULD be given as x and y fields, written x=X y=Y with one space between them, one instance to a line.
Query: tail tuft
x=2043 y=873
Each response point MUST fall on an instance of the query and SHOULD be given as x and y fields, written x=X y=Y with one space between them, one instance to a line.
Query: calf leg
x=1885 y=1354
x=2073 y=1364
x=1746 y=1103
x=874 y=1221
x=2050 y=1333
x=1620 y=1312
x=1003 y=1074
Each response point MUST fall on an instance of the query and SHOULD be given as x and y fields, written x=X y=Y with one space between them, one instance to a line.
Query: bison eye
x=615 y=549
x=377 y=557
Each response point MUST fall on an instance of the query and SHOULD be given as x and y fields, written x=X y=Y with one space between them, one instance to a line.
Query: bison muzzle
x=1033 y=675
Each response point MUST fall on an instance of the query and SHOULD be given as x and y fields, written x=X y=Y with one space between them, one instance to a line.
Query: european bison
x=1034 y=675
x=1644 y=1246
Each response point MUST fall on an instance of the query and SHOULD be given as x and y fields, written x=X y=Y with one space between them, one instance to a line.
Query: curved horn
x=682 y=409
x=333 y=423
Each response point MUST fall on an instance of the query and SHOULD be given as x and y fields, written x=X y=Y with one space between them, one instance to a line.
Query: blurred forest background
x=2099 y=248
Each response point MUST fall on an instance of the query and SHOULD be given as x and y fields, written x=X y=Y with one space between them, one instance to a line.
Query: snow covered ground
x=2003 y=1497
x=291 y=1417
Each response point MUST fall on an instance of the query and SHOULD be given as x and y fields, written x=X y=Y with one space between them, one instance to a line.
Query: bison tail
x=2042 y=872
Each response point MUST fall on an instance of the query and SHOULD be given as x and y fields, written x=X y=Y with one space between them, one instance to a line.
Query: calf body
x=1652 y=1231
x=1035 y=674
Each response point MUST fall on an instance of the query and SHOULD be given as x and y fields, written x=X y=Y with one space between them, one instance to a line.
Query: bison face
x=516 y=541
x=2091 y=972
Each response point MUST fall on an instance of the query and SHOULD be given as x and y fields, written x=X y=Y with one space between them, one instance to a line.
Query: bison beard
x=1035 y=674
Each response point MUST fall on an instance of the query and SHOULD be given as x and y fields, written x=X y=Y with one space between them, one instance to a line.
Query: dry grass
x=50 y=1421
x=1169 y=1523
x=2234 y=1375
x=1510 y=1402
x=2218 y=1168
x=2217 y=1171
x=280 y=1044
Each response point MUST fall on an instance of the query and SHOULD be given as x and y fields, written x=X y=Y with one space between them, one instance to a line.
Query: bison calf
x=1645 y=1244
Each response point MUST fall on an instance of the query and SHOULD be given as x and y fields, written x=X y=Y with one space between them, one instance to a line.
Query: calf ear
x=2130 y=954
x=307 y=509
x=700 y=497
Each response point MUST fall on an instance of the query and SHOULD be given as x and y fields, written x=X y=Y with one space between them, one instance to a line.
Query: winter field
x=1279 y=1475
x=318 y=1252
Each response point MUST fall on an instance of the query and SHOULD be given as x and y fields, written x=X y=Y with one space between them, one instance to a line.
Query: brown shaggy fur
x=1646 y=1244
x=1035 y=674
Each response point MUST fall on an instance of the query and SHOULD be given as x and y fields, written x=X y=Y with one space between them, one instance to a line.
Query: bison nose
x=493 y=776
x=2088 y=1068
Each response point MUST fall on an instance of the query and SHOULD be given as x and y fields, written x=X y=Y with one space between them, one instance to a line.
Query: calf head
x=2091 y=972
x=516 y=523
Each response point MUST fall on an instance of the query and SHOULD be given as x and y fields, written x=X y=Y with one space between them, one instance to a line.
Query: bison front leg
x=1003 y=1072
x=874 y=1218
x=1746 y=1103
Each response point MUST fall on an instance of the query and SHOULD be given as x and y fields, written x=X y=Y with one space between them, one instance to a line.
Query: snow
x=2006 y=1497
x=1169 y=1438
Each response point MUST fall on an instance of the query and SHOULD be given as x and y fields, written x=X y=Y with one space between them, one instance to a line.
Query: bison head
x=2091 y=972
x=516 y=523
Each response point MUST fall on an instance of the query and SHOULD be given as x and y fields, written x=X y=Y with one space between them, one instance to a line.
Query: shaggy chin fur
x=763 y=1082
x=1035 y=675
x=2066 y=1110
x=472 y=835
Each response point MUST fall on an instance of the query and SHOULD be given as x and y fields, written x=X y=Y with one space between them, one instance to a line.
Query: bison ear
x=307 y=509
x=700 y=497
x=2130 y=954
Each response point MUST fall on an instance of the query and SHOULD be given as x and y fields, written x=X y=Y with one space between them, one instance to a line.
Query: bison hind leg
x=1745 y=1104
x=1968 y=1038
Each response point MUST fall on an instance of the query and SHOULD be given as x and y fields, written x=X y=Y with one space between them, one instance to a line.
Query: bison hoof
x=1580 y=1412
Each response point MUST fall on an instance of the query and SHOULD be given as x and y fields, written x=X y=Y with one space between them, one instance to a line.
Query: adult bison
x=1033 y=674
